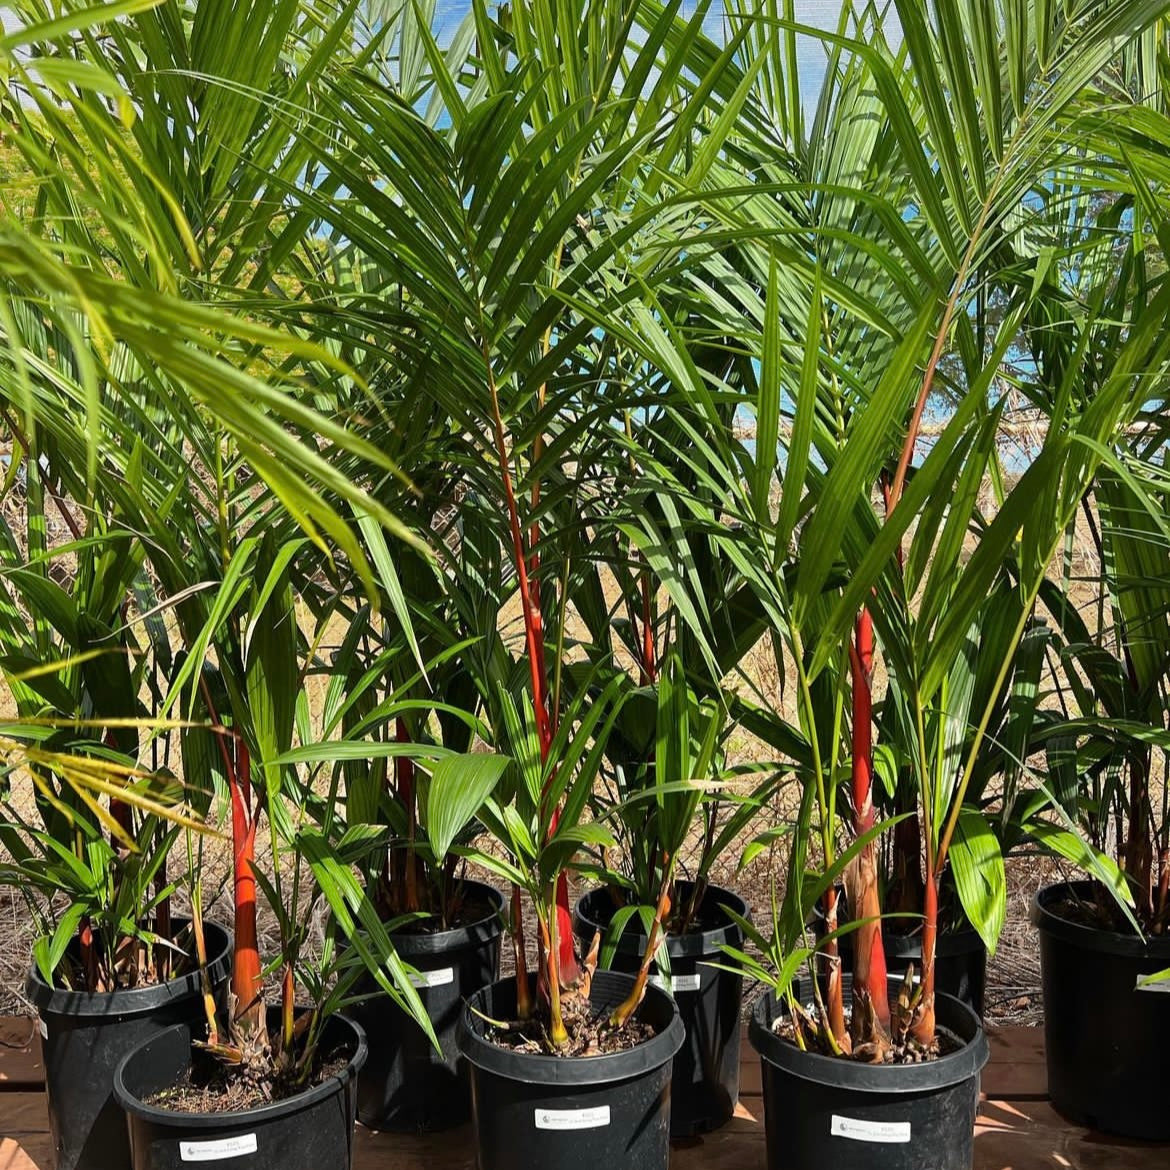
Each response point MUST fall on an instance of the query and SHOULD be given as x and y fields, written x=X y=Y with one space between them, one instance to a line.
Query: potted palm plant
x=666 y=781
x=566 y=1048
x=815 y=1101
x=1103 y=952
x=645 y=899
x=116 y=966
x=281 y=1082
x=563 y=1053
x=106 y=388
x=480 y=212
x=273 y=1082
x=278 y=1081
x=112 y=965
x=403 y=753
x=674 y=726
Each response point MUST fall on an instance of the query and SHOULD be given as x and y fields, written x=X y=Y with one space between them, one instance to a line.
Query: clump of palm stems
x=402 y=718
x=667 y=774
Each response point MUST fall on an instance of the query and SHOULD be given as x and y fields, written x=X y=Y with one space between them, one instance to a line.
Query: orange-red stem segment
x=870 y=1024
x=246 y=968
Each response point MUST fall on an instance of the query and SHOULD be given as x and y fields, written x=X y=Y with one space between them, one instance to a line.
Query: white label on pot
x=595 y=1118
x=43 y=1027
x=870 y=1131
x=233 y=1147
x=432 y=978
x=1153 y=985
x=677 y=983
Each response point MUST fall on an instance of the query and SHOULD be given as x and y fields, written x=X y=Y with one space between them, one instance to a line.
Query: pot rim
x=1092 y=938
x=484 y=930
x=541 y=1068
x=133 y=1001
x=851 y=1076
x=950 y=944
x=966 y=940
x=698 y=944
x=271 y=1111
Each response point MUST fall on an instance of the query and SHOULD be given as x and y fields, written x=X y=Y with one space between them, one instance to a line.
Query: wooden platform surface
x=1017 y=1128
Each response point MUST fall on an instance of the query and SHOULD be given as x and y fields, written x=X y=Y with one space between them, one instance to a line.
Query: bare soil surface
x=945 y=1042
x=589 y=1033
x=212 y=1087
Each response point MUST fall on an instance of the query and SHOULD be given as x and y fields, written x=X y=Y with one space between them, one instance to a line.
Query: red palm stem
x=649 y=655
x=246 y=968
x=869 y=975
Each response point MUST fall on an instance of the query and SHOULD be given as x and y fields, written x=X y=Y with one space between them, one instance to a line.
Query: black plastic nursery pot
x=85 y=1037
x=1106 y=1037
x=705 y=1080
x=824 y=1111
x=406 y=1084
x=538 y=1112
x=311 y=1131
x=960 y=957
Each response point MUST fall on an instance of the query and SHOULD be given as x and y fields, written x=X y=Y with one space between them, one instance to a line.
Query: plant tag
x=44 y=1028
x=232 y=1147
x=870 y=1131
x=1154 y=985
x=677 y=983
x=595 y=1118
x=438 y=978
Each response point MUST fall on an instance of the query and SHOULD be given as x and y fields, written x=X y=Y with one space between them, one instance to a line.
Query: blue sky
x=816 y=13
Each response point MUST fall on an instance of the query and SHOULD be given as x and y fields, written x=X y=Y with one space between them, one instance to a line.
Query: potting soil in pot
x=831 y=1112
x=85 y=1037
x=705 y=1079
x=534 y=1111
x=311 y=1130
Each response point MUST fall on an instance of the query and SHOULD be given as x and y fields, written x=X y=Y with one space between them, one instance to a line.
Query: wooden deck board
x=20 y=1056
x=1017 y=1129
x=33 y=1152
